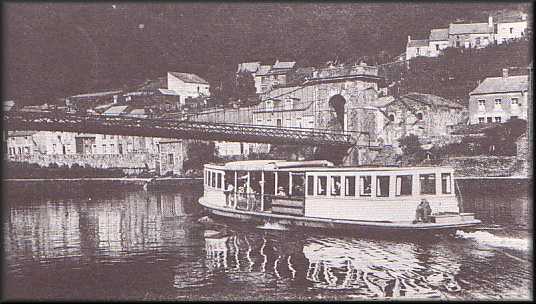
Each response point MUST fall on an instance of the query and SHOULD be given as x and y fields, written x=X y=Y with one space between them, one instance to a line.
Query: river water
x=128 y=244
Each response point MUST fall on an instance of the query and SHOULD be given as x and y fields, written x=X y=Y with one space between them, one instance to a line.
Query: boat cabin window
x=382 y=186
x=403 y=185
x=219 y=180
x=298 y=184
x=336 y=185
x=446 y=183
x=349 y=185
x=321 y=185
x=310 y=185
x=213 y=179
x=428 y=183
x=365 y=183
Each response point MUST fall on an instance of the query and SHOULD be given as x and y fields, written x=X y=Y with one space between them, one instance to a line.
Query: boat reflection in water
x=359 y=268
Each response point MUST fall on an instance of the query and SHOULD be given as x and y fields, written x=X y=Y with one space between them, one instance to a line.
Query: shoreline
x=100 y=178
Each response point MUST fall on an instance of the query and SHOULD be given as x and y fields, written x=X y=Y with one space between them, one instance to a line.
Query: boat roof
x=309 y=166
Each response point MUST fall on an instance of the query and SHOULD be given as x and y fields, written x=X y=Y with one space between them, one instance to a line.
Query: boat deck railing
x=257 y=202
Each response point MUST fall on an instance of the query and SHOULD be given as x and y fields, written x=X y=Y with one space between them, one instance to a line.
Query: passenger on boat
x=281 y=191
x=228 y=191
x=423 y=212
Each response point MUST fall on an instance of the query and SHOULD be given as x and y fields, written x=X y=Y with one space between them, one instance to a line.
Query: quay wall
x=129 y=162
x=489 y=166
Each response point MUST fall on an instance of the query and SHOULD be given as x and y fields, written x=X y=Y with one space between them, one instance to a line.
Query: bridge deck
x=166 y=128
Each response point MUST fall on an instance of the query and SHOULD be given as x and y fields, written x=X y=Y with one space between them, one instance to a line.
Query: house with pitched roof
x=438 y=41
x=471 y=35
x=509 y=25
x=416 y=48
x=187 y=85
x=497 y=99
x=261 y=78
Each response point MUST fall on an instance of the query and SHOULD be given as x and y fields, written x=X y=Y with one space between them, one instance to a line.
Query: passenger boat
x=317 y=194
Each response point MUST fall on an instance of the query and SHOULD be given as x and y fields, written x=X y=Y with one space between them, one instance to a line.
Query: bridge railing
x=168 y=128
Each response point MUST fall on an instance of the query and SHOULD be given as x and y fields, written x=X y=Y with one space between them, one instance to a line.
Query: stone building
x=509 y=25
x=425 y=115
x=471 y=35
x=497 y=99
x=438 y=41
x=417 y=48
x=187 y=85
x=170 y=156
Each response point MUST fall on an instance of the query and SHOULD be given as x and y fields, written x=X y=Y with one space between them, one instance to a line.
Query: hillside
x=459 y=71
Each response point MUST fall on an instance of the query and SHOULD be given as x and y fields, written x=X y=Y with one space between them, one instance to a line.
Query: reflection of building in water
x=47 y=231
x=379 y=270
x=138 y=220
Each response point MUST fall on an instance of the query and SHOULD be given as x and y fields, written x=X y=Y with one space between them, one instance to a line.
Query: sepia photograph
x=267 y=151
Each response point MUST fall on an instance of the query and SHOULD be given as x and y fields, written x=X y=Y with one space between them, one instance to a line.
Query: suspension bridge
x=170 y=128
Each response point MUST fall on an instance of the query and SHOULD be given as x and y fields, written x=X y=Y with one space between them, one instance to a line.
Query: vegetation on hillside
x=459 y=71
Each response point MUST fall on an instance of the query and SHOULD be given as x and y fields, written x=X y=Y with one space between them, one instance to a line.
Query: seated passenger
x=281 y=191
x=423 y=212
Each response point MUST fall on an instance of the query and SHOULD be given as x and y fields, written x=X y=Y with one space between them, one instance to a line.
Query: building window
x=477 y=40
x=437 y=47
x=392 y=117
x=446 y=183
x=489 y=120
x=419 y=116
x=511 y=30
x=481 y=120
x=498 y=103
x=428 y=183
x=365 y=183
x=515 y=101
x=321 y=185
x=349 y=186
x=279 y=124
x=382 y=186
x=418 y=51
x=403 y=185
x=497 y=119
x=481 y=105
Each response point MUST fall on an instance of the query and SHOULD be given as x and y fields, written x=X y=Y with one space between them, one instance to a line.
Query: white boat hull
x=458 y=222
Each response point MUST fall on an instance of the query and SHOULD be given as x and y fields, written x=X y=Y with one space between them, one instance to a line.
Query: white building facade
x=187 y=85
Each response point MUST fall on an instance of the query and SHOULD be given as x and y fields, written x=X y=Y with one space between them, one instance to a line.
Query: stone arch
x=338 y=103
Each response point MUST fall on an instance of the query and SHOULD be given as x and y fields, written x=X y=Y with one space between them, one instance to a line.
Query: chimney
x=505 y=73
x=490 y=21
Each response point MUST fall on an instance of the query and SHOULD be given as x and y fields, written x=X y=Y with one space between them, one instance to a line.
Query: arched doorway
x=337 y=102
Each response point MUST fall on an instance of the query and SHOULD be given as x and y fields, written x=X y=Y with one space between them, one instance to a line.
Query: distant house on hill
x=187 y=85
x=497 y=99
x=438 y=41
x=261 y=76
x=471 y=35
x=416 y=48
x=509 y=25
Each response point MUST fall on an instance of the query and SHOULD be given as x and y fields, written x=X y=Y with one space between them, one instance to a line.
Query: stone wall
x=130 y=161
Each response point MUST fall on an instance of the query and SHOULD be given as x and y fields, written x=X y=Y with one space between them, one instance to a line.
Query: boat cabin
x=320 y=190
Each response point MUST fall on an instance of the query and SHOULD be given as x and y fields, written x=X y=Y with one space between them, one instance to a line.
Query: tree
x=245 y=87
x=199 y=153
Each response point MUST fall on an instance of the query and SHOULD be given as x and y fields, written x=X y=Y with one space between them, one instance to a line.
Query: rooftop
x=431 y=100
x=188 y=77
x=284 y=64
x=418 y=43
x=502 y=85
x=97 y=94
x=20 y=133
x=263 y=70
x=250 y=67
x=116 y=110
x=439 y=34
x=469 y=28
